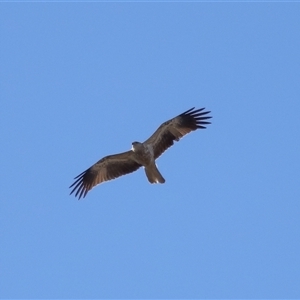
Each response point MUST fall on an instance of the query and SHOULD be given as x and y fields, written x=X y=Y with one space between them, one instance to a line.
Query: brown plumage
x=142 y=154
x=176 y=128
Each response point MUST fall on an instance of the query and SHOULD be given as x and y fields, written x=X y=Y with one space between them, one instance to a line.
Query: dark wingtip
x=78 y=186
x=195 y=112
x=189 y=110
x=197 y=117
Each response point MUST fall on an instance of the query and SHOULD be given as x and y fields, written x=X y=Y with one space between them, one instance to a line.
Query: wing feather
x=176 y=128
x=107 y=168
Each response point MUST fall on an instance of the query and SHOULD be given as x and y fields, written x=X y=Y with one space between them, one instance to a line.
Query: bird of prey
x=141 y=154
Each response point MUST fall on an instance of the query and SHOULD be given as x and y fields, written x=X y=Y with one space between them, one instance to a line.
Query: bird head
x=135 y=146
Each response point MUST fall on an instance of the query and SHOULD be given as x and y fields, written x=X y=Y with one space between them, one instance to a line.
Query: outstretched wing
x=107 y=168
x=176 y=128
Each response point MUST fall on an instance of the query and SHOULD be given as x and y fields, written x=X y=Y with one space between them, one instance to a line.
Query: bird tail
x=153 y=174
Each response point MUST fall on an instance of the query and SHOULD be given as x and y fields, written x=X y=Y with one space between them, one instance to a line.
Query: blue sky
x=80 y=81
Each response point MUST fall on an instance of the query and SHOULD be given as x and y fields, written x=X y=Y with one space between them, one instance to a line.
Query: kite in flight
x=141 y=154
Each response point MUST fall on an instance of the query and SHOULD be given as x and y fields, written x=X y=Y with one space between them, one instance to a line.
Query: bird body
x=141 y=154
x=144 y=155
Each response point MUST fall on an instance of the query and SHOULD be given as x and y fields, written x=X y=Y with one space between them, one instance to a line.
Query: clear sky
x=80 y=81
